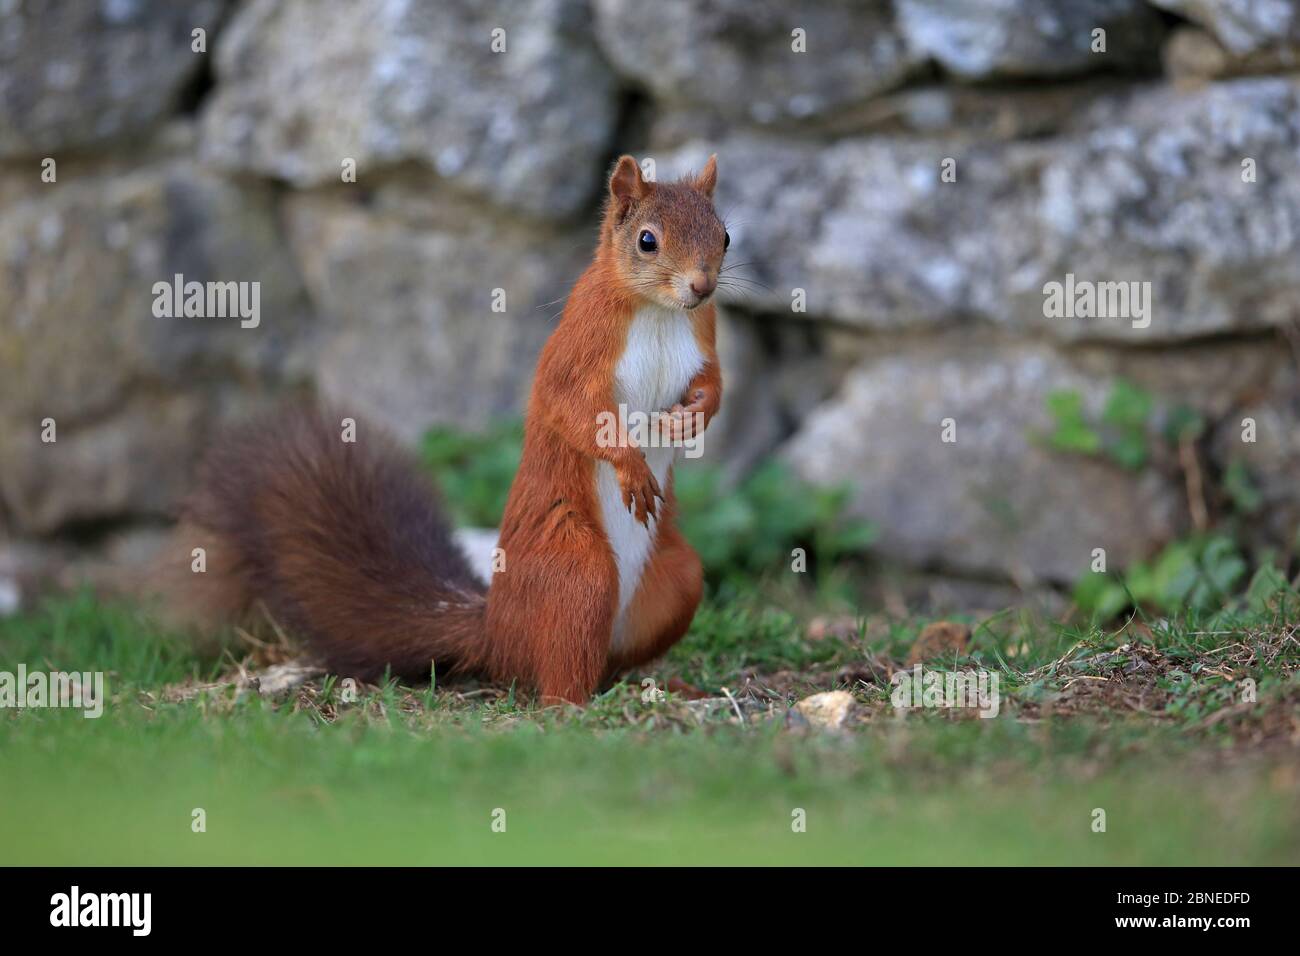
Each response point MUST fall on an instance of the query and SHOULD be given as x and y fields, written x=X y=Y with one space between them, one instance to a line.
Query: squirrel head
x=664 y=240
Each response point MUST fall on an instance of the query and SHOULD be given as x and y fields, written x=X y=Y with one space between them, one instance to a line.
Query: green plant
x=1241 y=489
x=1202 y=573
x=1183 y=423
x=1071 y=430
x=1121 y=434
x=1126 y=412
x=754 y=527
x=474 y=470
x=1199 y=574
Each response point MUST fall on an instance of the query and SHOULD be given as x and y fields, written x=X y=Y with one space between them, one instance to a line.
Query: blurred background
x=900 y=178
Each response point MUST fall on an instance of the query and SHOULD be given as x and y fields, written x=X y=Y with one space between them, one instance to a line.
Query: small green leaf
x=1129 y=450
x=1241 y=489
x=1127 y=406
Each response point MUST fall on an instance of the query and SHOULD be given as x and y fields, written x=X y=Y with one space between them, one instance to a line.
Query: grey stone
x=738 y=56
x=1001 y=502
x=131 y=394
x=1271 y=461
x=997 y=500
x=131 y=465
x=27 y=568
x=1149 y=189
x=1158 y=193
x=1193 y=54
x=73 y=74
x=408 y=336
x=904 y=592
x=861 y=229
x=734 y=709
x=979 y=39
x=753 y=417
x=304 y=84
x=1243 y=26
x=120 y=564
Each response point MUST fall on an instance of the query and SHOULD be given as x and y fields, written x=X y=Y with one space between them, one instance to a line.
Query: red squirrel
x=344 y=544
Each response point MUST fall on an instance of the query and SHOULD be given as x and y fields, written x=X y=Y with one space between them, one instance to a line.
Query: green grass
x=282 y=789
x=413 y=775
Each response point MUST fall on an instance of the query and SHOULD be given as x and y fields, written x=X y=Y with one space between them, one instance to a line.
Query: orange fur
x=345 y=547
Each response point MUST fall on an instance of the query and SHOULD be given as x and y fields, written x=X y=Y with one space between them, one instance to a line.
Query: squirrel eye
x=646 y=241
x=726 y=239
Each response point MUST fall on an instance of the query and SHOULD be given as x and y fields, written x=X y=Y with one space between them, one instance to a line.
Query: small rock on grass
x=826 y=711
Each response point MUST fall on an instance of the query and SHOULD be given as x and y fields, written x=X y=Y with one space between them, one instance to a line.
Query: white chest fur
x=658 y=362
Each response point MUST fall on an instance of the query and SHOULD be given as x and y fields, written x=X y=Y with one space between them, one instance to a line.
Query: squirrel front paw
x=682 y=423
x=639 y=486
x=687 y=418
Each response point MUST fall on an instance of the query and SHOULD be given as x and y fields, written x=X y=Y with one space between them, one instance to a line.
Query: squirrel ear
x=626 y=184
x=708 y=177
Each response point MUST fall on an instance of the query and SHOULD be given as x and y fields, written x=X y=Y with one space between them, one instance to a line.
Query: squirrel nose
x=702 y=285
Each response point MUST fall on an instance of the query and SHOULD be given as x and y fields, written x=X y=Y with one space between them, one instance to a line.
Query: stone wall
x=901 y=179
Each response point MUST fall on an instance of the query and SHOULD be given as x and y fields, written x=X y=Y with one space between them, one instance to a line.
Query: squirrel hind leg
x=553 y=618
x=664 y=604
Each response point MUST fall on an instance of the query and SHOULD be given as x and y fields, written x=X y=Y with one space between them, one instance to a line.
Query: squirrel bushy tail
x=342 y=543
